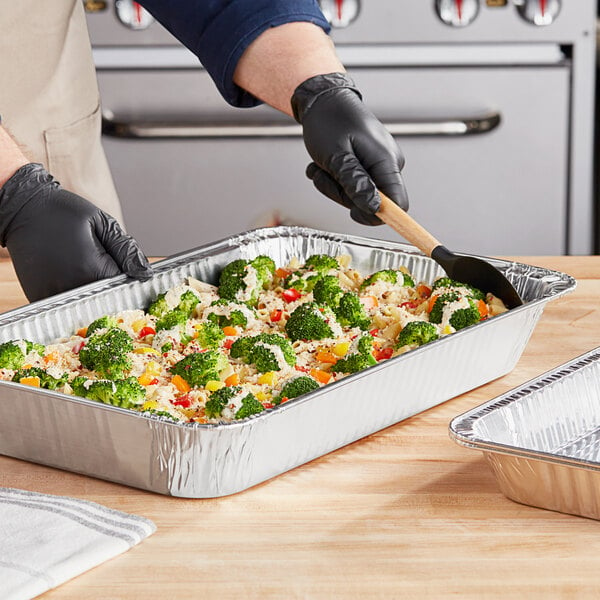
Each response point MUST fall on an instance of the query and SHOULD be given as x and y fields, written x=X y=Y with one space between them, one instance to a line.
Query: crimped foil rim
x=461 y=428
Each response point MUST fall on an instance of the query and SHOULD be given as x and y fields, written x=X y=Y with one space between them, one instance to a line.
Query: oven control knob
x=538 y=12
x=133 y=15
x=340 y=13
x=457 y=13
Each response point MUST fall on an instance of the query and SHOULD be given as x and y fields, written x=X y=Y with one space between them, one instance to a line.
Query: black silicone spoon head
x=478 y=273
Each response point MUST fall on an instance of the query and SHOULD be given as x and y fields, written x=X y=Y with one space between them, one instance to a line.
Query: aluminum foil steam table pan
x=542 y=440
x=208 y=460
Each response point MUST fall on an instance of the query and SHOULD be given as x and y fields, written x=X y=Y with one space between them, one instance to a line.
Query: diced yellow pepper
x=341 y=349
x=146 y=350
x=150 y=405
x=213 y=386
x=145 y=378
x=447 y=330
x=34 y=381
x=153 y=368
x=268 y=378
x=138 y=325
x=262 y=396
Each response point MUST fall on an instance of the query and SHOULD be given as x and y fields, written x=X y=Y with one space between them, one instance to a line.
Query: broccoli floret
x=351 y=313
x=187 y=302
x=265 y=268
x=417 y=333
x=47 y=381
x=236 y=282
x=106 y=353
x=13 y=353
x=236 y=317
x=159 y=413
x=328 y=291
x=364 y=344
x=321 y=263
x=106 y=322
x=437 y=311
x=309 y=321
x=315 y=267
x=301 y=281
x=256 y=350
x=166 y=347
x=354 y=363
x=200 y=367
x=463 y=317
x=159 y=306
x=250 y=406
x=221 y=398
x=126 y=393
x=389 y=276
x=359 y=359
x=241 y=347
x=446 y=282
x=296 y=387
x=210 y=335
x=171 y=319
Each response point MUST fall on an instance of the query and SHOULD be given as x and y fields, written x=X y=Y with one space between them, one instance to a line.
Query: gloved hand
x=57 y=240
x=353 y=153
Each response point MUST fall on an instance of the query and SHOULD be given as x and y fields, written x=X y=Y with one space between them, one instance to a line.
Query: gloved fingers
x=327 y=185
x=122 y=248
x=358 y=186
x=390 y=182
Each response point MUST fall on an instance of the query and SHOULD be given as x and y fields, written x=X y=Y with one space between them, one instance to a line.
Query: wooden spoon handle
x=389 y=212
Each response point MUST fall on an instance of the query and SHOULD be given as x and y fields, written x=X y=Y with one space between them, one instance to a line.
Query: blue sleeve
x=218 y=31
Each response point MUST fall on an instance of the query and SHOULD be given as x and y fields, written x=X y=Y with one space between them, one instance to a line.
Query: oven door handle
x=142 y=130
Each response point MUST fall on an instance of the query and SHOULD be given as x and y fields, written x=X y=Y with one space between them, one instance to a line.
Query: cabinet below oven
x=487 y=157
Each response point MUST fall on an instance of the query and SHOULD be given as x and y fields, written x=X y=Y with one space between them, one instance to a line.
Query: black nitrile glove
x=57 y=240
x=353 y=153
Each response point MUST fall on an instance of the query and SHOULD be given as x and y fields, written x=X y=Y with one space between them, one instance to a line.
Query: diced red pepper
x=299 y=368
x=77 y=347
x=268 y=404
x=374 y=332
x=183 y=401
x=383 y=354
x=410 y=304
x=144 y=331
x=228 y=343
x=291 y=294
x=154 y=381
x=276 y=315
x=284 y=399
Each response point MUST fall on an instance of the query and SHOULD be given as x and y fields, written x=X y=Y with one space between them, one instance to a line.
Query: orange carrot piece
x=320 y=376
x=431 y=302
x=325 y=356
x=180 y=383
x=233 y=379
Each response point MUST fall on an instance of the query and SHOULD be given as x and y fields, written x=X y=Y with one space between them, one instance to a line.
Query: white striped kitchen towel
x=46 y=540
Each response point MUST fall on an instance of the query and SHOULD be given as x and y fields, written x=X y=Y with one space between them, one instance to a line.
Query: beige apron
x=49 y=97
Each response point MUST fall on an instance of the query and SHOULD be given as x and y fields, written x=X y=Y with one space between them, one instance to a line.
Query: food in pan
x=207 y=354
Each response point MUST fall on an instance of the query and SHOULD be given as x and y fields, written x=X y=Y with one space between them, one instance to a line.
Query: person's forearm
x=282 y=58
x=11 y=157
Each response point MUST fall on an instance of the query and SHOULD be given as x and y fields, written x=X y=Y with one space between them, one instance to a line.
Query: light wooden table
x=403 y=513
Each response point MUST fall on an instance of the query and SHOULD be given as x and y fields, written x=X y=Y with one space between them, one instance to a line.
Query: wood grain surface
x=403 y=513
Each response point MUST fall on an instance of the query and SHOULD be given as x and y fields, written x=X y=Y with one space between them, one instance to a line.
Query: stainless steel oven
x=492 y=102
